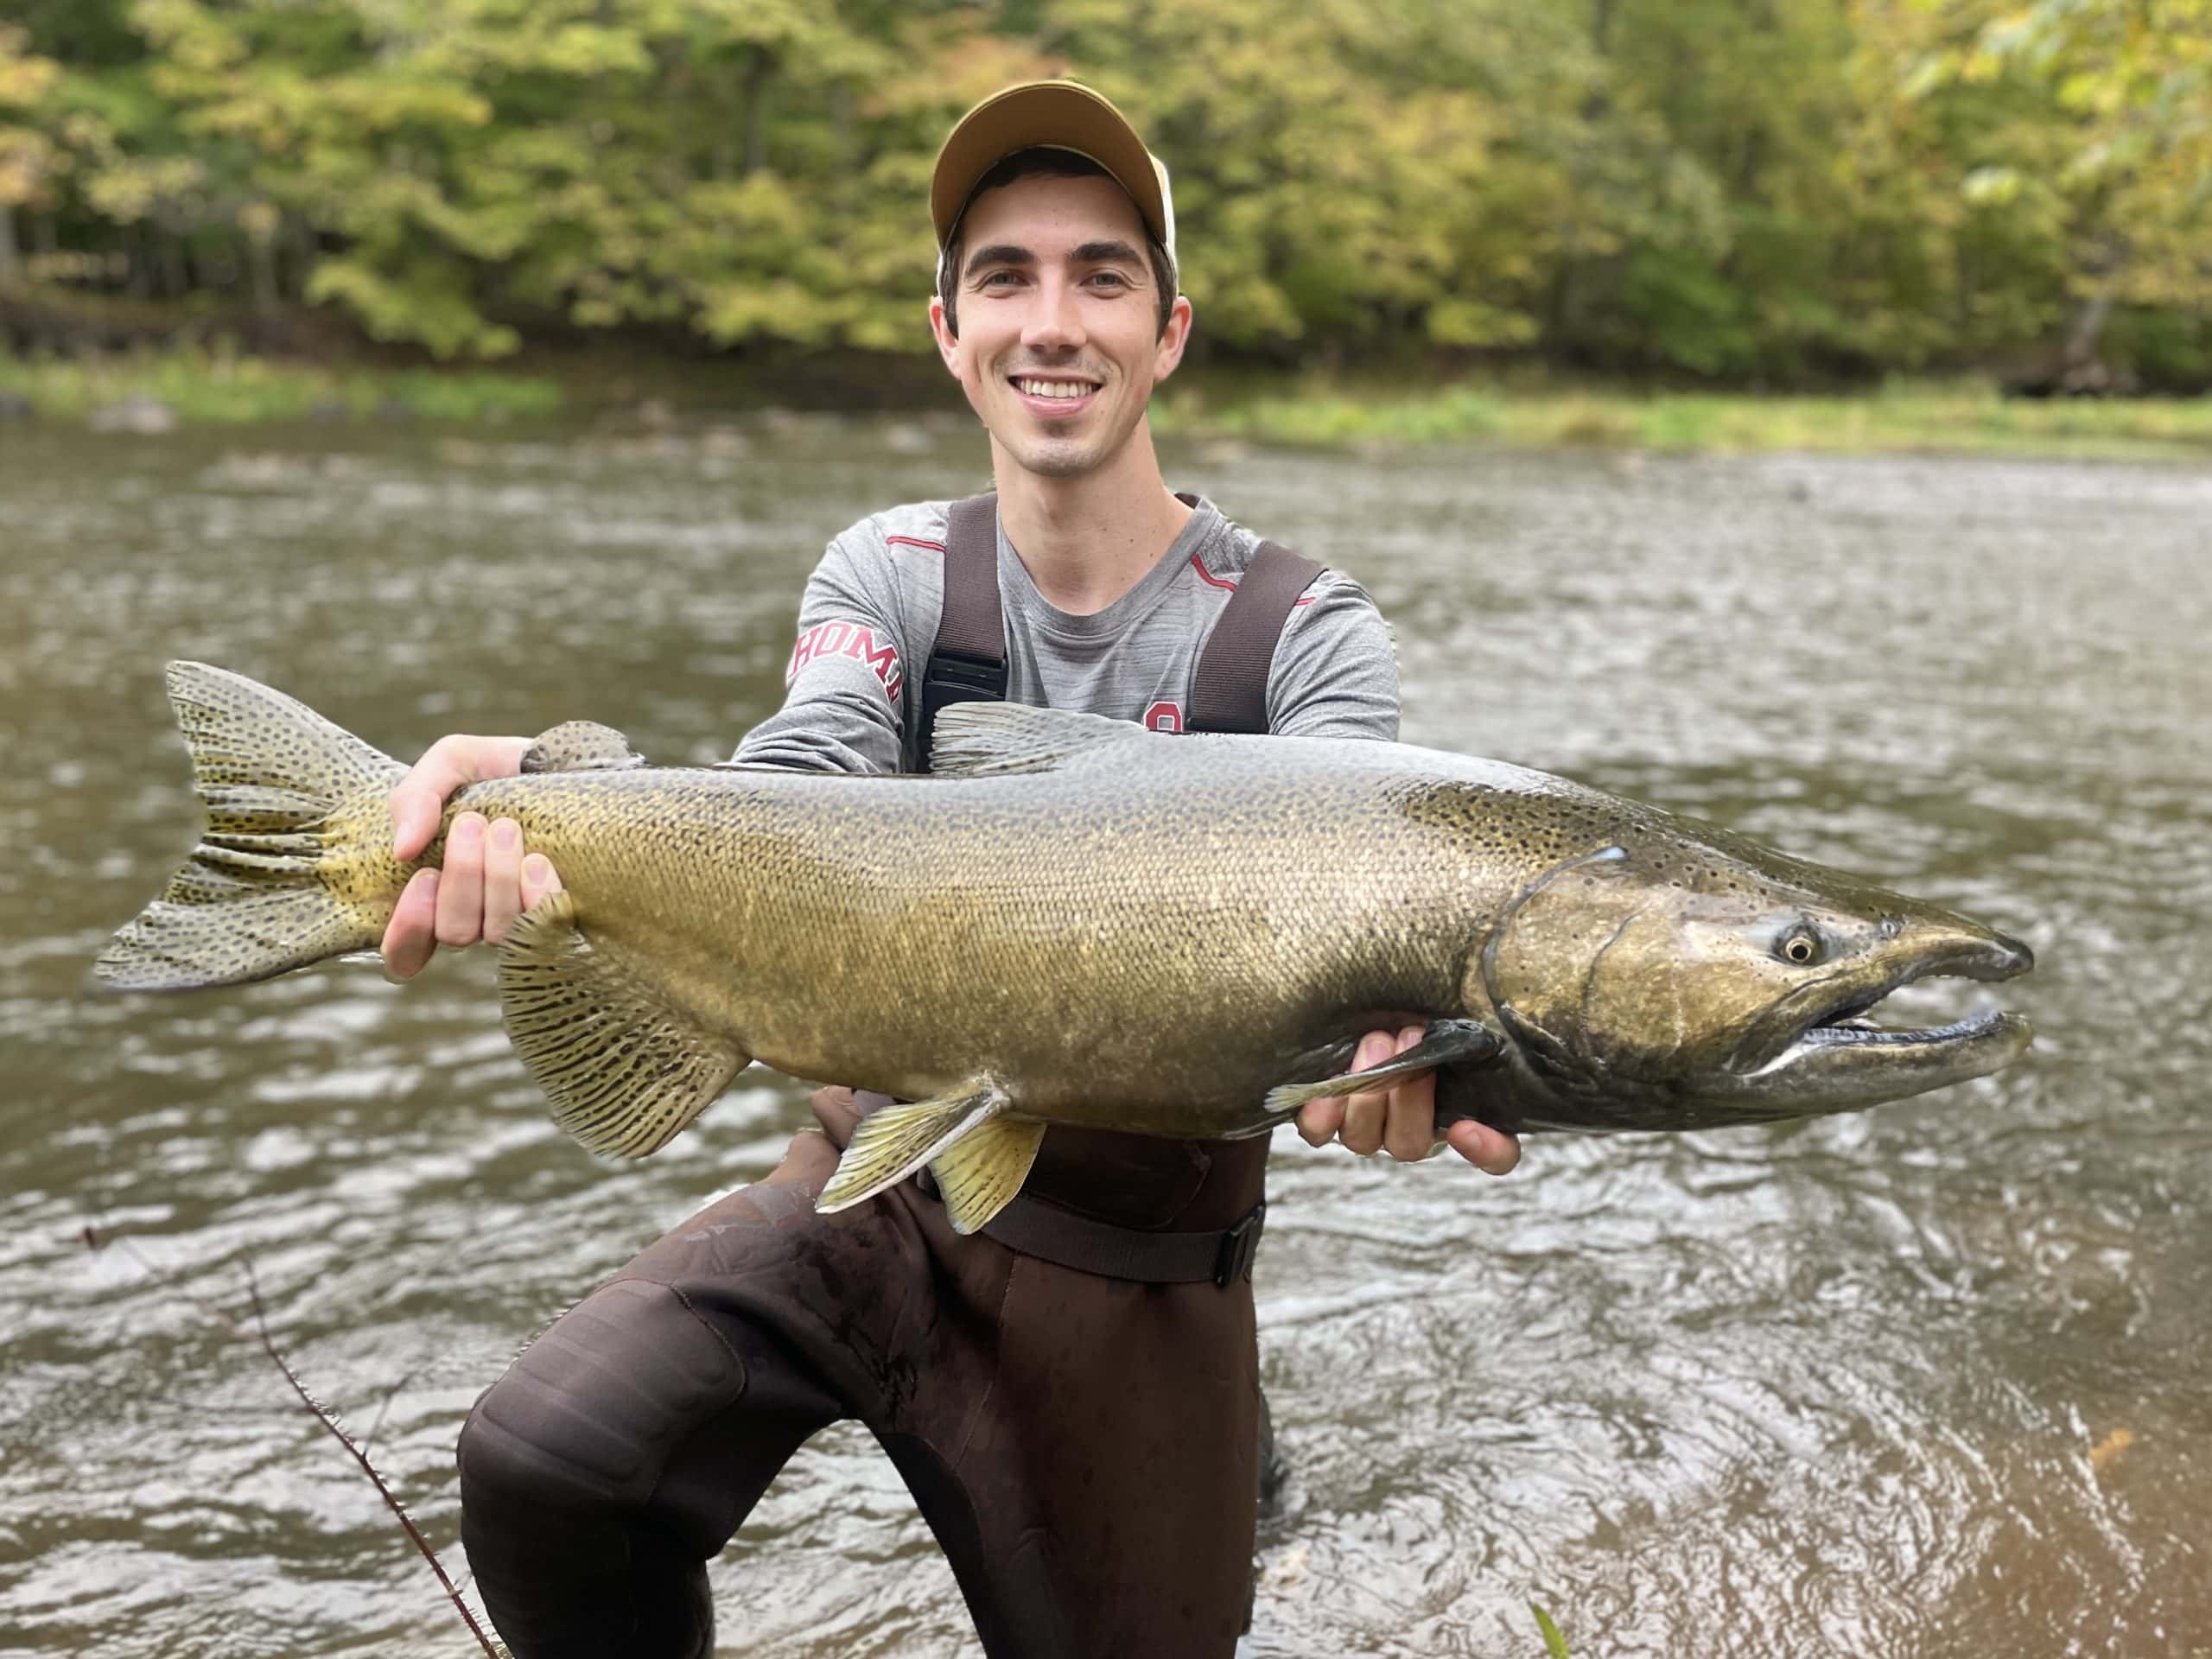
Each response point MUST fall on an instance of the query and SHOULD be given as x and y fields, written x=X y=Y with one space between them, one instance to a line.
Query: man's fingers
x=503 y=898
x=410 y=937
x=538 y=878
x=418 y=800
x=1319 y=1120
x=1492 y=1151
x=1409 y=1116
x=460 y=889
x=1363 y=1114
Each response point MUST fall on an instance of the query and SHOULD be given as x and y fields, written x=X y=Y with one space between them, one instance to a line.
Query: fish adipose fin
x=892 y=1143
x=290 y=870
x=624 y=1069
x=1446 y=1042
x=581 y=746
x=991 y=739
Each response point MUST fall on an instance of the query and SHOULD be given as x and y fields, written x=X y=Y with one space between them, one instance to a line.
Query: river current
x=1925 y=1382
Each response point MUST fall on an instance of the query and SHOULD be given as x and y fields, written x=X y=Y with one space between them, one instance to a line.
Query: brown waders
x=1072 y=1395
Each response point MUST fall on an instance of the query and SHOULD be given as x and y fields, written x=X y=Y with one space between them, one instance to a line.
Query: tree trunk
x=261 y=258
x=756 y=111
x=2088 y=328
x=11 y=264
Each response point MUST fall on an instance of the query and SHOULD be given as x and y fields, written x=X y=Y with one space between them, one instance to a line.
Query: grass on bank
x=1900 y=415
x=205 y=385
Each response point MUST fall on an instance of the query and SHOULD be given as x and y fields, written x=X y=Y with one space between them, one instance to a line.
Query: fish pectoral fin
x=892 y=1143
x=978 y=1175
x=581 y=746
x=1446 y=1042
x=978 y=739
x=624 y=1069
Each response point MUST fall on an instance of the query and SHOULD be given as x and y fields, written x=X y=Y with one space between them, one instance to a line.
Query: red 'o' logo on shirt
x=1163 y=717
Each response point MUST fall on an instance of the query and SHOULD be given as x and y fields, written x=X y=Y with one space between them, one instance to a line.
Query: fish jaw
x=1822 y=1055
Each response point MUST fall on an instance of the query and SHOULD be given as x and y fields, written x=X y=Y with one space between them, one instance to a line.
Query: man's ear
x=1173 y=338
x=947 y=343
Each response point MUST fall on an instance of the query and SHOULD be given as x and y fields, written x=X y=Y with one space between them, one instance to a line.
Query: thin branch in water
x=370 y=1438
x=329 y=1420
x=323 y=1415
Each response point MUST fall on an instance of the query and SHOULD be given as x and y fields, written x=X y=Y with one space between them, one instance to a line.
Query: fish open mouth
x=1841 y=1035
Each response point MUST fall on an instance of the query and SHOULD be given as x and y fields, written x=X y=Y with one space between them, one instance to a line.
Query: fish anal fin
x=581 y=746
x=895 y=1140
x=624 y=1069
x=1446 y=1042
x=979 y=740
x=978 y=1175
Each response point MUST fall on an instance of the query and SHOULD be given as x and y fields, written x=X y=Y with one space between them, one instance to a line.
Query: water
x=1925 y=1382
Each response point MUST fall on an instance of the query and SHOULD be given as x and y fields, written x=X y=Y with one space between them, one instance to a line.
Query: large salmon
x=1078 y=921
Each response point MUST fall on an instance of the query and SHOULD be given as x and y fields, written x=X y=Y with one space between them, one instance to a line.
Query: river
x=1923 y=1381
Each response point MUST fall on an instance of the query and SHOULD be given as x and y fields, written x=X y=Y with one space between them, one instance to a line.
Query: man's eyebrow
x=999 y=253
x=1106 y=253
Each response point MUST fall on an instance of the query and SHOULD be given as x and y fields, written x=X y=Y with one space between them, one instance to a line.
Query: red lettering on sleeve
x=1164 y=716
x=852 y=639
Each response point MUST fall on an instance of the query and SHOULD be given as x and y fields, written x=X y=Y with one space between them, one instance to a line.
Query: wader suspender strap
x=968 y=662
x=1229 y=693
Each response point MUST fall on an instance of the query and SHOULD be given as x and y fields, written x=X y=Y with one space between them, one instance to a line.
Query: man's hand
x=487 y=881
x=1402 y=1121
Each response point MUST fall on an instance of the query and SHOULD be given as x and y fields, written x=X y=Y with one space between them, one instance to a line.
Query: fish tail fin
x=295 y=864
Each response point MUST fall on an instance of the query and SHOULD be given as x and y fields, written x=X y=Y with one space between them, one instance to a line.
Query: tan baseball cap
x=1049 y=115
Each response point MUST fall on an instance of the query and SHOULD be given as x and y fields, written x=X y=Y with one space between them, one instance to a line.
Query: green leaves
x=1692 y=186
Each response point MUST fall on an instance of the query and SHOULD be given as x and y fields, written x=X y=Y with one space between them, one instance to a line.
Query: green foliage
x=1704 y=189
x=1555 y=1643
x=218 y=386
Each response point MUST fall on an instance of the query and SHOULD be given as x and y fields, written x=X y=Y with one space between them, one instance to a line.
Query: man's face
x=1060 y=343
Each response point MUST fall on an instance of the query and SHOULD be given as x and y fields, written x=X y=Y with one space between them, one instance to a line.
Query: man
x=1075 y=1413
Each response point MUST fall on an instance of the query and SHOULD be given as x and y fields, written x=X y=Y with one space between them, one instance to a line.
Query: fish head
x=1735 y=983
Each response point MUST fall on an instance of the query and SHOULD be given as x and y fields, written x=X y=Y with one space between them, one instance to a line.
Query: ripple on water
x=1918 y=1383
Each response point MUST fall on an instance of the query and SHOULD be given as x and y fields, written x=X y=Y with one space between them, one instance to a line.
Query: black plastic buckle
x=954 y=677
x=1238 y=1246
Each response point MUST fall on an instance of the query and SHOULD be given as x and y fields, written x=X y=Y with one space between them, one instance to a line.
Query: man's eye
x=998 y=278
x=1111 y=278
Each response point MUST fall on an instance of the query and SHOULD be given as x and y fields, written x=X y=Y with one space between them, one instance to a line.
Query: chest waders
x=1072 y=1395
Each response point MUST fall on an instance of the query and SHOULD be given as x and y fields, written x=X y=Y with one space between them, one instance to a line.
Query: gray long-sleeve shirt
x=870 y=614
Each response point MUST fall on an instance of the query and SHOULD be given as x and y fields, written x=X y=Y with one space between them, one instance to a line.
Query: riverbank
x=1964 y=416
x=154 y=391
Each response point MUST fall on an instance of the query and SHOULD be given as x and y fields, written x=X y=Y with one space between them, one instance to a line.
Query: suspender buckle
x=1239 y=1245
x=965 y=678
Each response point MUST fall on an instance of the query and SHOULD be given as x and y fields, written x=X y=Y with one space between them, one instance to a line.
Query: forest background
x=1759 y=194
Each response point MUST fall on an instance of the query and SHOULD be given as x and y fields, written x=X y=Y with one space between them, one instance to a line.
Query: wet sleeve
x=842 y=710
x=1335 y=671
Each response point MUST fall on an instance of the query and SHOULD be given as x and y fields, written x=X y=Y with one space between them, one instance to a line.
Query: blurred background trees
x=1762 y=192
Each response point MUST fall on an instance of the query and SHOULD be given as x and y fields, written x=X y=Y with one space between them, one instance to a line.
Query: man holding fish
x=1072 y=1393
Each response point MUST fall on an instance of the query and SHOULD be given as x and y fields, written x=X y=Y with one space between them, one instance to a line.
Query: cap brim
x=1049 y=115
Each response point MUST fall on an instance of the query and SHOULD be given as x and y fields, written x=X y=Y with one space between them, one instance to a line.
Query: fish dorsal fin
x=581 y=746
x=624 y=1069
x=979 y=740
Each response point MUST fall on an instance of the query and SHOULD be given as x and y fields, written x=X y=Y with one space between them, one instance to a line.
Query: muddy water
x=1926 y=1382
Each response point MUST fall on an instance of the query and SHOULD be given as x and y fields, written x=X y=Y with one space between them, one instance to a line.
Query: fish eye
x=1800 y=946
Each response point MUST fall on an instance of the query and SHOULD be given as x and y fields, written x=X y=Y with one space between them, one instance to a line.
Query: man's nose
x=1055 y=323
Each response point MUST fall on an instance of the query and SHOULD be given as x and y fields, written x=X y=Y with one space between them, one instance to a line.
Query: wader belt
x=1056 y=1215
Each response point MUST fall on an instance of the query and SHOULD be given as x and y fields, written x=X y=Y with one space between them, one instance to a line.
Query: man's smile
x=1055 y=396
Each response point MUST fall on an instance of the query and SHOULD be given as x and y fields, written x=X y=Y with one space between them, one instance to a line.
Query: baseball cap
x=1049 y=115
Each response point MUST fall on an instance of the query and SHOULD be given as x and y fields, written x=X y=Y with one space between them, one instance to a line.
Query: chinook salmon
x=1074 y=920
